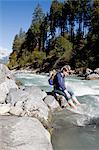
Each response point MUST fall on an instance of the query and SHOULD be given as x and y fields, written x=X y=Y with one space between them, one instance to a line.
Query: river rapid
x=73 y=131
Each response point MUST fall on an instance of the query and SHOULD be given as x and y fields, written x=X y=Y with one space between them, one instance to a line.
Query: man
x=61 y=89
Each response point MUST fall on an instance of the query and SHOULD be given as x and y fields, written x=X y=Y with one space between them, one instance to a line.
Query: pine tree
x=37 y=19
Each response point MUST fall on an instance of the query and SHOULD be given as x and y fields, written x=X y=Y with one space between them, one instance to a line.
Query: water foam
x=81 y=89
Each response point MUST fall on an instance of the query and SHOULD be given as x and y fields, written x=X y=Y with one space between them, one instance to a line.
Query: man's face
x=65 y=73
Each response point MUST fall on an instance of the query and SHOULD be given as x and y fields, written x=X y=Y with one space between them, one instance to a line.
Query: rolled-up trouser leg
x=70 y=91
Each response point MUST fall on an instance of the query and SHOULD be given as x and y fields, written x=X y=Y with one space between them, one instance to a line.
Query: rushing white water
x=67 y=136
x=80 y=87
x=86 y=91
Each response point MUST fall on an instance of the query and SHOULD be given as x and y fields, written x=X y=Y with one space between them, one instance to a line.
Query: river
x=73 y=131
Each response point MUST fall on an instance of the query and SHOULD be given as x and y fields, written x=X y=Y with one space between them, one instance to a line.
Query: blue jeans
x=69 y=90
x=68 y=95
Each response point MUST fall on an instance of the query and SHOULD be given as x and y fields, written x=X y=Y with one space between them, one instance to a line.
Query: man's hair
x=65 y=68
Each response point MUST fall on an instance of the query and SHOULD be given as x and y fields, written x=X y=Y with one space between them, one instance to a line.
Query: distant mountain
x=4 y=60
x=4 y=55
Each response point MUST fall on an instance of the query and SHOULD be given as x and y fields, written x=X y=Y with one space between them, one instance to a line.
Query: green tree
x=37 y=19
x=44 y=29
x=93 y=36
x=55 y=16
x=17 y=44
x=60 y=47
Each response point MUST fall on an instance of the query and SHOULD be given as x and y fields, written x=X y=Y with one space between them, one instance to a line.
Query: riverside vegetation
x=67 y=34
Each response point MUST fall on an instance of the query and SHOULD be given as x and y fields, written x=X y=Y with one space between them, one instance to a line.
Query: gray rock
x=92 y=76
x=51 y=102
x=6 y=71
x=23 y=133
x=88 y=71
x=2 y=77
x=31 y=103
x=35 y=91
x=4 y=108
x=6 y=82
x=62 y=101
x=2 y=96
x=96 y=70
x=16 y=95
x=36 y=107
x=17 y=111
x=5 y=88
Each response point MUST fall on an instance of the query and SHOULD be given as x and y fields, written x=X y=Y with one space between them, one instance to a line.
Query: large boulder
x=30 y=102
x=23 y=133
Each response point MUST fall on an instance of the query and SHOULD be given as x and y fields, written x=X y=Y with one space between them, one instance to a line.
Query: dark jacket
x=58 y=82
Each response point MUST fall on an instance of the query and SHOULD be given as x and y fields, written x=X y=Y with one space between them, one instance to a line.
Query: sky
x=16 y=14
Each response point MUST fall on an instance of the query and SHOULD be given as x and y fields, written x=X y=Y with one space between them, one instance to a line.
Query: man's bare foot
x=79 y=104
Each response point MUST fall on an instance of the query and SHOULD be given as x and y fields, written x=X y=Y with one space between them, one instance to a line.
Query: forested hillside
x=67 y=34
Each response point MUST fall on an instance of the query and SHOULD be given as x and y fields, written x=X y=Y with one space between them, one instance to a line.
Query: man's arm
x=50 y=81
x=61 y=82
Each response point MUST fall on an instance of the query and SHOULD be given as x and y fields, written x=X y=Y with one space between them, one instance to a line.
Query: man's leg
x=75 y=100
x=70 y=102
x=73 y=97
x=64 y=102
x=66 y=98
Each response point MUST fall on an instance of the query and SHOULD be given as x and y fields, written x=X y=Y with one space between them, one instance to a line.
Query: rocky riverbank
x=85 y=73
x=25 y=114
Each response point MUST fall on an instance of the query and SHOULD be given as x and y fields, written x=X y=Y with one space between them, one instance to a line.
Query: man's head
x=65 y=70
